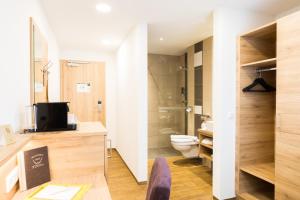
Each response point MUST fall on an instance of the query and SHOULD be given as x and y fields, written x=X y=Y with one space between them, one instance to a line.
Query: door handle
x=189 y=109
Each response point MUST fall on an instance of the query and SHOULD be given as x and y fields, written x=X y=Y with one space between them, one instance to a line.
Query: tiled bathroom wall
x=166 y=89
x=199 y=82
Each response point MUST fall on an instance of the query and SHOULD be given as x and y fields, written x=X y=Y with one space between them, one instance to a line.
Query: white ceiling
x=78 y=26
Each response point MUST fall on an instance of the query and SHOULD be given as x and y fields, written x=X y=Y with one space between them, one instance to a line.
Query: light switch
x=230 y=115
x=39 y=87
x=11 y=179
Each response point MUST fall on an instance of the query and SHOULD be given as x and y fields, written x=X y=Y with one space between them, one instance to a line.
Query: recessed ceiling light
x=106 y=42
x=161 y=39
x=103 y=8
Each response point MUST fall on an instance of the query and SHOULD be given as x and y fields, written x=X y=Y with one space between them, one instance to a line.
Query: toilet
x=186 y=144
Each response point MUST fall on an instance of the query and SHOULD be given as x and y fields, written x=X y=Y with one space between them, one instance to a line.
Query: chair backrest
x=160 y=181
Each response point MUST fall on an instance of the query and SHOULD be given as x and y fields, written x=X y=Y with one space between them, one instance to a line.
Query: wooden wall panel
x=257 y=122
x=288 y=109
x=84 y=105
x=80 y=155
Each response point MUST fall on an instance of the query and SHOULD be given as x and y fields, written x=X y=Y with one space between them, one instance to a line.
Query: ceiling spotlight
x=161 y=39
x=103 y=8
x=106 y=42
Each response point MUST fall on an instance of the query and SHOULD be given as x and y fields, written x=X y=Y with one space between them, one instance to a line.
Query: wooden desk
x=77 y=156
x=6 y=152
x=99 y=189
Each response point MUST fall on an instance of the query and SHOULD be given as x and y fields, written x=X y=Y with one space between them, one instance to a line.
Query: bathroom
x=179 y=100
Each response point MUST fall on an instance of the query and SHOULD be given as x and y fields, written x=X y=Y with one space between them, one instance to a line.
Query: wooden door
x=287 y=157
x=83 y=85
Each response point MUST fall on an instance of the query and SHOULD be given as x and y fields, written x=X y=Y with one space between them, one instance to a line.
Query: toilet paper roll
x=198 y=110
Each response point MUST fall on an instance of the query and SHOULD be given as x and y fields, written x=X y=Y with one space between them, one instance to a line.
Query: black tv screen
x=51 y=116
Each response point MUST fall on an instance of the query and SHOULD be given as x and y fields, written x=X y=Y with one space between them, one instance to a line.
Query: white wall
x=132 y=101
x=228 y=24
x=15 y=58
x=110 y=83
x=288 y=12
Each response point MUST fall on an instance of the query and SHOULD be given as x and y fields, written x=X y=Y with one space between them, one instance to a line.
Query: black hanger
x=259 y=81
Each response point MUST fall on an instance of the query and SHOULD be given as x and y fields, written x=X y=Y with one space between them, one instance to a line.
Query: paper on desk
x=54 y=192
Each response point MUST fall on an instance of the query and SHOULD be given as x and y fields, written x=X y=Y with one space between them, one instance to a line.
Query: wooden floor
x=190 y=180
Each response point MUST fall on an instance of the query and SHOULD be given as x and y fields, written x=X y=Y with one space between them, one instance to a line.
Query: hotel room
x=155 y=100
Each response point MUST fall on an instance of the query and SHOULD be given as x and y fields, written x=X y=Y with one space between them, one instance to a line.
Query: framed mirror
x=39 y=65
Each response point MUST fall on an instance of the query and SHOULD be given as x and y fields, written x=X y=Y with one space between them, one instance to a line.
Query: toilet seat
x=183 y=137
x=184 y=140
x=186 y=144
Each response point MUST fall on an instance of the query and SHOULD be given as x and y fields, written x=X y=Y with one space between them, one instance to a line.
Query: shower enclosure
x=167 y=93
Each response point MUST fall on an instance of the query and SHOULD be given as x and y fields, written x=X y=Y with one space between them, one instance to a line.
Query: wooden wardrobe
x=268 y=123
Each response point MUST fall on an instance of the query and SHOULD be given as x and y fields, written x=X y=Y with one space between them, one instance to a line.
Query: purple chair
x=160 y=181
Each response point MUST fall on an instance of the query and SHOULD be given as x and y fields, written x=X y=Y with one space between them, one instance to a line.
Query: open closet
x=268 y=112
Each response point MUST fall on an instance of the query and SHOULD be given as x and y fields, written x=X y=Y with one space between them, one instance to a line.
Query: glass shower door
x=167 y=101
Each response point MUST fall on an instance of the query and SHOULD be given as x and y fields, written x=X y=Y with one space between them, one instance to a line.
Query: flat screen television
x=52 y=116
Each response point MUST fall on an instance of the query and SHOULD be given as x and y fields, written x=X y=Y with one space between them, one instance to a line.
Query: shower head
x=182 y=68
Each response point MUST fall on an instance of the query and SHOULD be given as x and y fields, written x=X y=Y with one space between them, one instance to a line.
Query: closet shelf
x=267 y=31
x=262 y=63
x=264 y=171
x=206 y=155
x=205 y=133
x=257 y=195
x=205 y=150
x=207 y=146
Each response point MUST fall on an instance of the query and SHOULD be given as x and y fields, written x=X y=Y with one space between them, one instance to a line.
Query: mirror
x=39 y=65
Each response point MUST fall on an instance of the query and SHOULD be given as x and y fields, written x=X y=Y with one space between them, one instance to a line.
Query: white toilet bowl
x=186 y=144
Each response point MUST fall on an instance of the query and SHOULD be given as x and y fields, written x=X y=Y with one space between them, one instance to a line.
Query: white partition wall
x=15 y=58
x=228 y=24
x=132 y=101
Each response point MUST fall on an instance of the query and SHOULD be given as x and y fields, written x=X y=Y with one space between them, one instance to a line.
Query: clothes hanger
x=259 y=81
